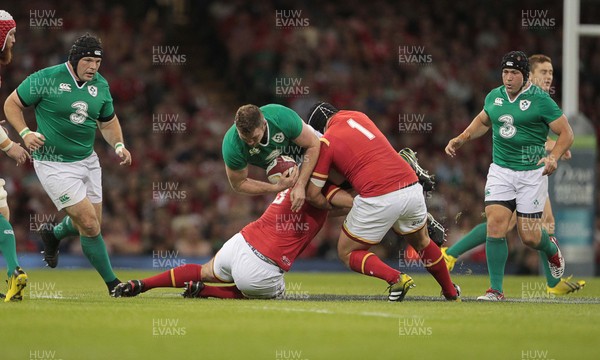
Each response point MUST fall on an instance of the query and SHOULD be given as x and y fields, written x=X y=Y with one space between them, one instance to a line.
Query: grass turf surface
x=67 y=314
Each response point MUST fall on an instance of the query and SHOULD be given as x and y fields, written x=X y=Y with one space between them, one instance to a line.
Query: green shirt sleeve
x=549 y=110
x=31 y=89
x=108 y=109
x=232 y=152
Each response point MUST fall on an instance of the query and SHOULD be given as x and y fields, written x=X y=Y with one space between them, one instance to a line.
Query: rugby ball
x=278 y=166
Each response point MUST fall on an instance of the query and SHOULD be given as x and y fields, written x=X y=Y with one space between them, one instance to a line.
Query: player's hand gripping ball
x=278 y=166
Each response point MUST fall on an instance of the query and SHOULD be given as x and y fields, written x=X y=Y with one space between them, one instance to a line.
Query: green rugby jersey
x=66 y=113
x=283 y=125
x=520 y=127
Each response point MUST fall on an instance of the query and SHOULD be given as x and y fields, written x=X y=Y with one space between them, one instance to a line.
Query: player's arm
x=308 y=140
x=479 y=126
x=241 y=183
x=550 y=143
x=561 y=128
x=13 y=109
x=112 y=133
x=340 y=199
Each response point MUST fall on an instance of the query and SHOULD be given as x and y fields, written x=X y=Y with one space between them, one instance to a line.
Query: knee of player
x=89 y=225
x=529 y=239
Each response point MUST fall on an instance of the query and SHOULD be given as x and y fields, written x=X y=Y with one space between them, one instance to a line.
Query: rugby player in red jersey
x=253 y=260
x=389 y=196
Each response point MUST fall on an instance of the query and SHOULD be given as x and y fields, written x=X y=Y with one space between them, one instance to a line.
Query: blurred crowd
x=355 y=55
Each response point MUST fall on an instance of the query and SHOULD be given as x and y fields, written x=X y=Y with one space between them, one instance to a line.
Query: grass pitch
x=67 y=314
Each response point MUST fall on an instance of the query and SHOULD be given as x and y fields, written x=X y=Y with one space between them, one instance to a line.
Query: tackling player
x=17 y=278
x=260 y=135
x=253 y=260
x=389 y=196
x=541 y=74
x=71 y=101
x=519 y=114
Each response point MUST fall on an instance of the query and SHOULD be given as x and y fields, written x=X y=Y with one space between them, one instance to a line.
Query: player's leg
x=64 y=185
x=432 y=258
x=17 y=278
x=532 y=192
x=366 y=224
x=496 y=249
x=474 y=238
x=84 y=216
x=555 y=286
x=412 y=225
x=175 y=277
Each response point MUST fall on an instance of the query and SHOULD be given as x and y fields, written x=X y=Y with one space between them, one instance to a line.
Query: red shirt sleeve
x=321 y=171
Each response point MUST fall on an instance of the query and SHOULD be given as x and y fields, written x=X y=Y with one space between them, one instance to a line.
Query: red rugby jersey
x=281 y=234
x=356 y=148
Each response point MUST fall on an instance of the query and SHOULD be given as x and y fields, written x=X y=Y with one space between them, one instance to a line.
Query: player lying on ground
x=541 y=74
x=389 y=196
x=253 y=260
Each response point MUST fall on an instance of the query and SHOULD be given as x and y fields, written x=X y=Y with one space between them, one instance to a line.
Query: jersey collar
x=519 y=94
x=74 y=78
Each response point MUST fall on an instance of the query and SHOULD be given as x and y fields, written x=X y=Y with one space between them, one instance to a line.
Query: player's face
x=513 y=80
x=88 y=67
x=255 y=137
x=542 y=75
x=10 y=40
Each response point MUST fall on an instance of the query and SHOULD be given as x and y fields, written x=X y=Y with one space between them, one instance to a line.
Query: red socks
x=367 y=263
x=435 y=264
x=174 y=277
x=221 y=292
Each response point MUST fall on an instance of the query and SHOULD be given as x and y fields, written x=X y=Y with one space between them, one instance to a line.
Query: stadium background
x=178 y=70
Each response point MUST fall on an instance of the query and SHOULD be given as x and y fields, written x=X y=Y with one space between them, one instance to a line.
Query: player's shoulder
x=537 y=92
x=231 y=140
x=52 y=71
x=100 y=80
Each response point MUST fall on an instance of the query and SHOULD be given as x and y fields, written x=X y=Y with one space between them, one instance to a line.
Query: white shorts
x=370 y=218
x=68 y=183
x=255 y=278
x=528 y=187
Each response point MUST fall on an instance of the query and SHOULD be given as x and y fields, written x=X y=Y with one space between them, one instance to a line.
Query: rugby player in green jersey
x=17 y=278
x=260 y=135
x=541 y=74
x=520 y=115
x=71 y=101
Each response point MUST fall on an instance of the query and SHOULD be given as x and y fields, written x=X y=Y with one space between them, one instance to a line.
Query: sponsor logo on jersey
x=498 y=101
x=507 y=130
x=64 y=87
x=278 y=138
x=524 y=104
x=8 y=231
x=93 y=90
x=286 y=260
x=254 y=151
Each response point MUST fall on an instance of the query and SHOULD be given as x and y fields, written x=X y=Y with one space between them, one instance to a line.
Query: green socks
x=95 y=250
x=8 y=246
x=544 y=259
x=546 y=246
x=65 y=228
x=496 y=251
x=474 y=238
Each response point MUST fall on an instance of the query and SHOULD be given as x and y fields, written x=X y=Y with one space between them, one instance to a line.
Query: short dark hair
x=538 y=59
x=248 y=118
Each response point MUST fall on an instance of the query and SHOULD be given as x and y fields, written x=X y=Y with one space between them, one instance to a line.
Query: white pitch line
x=328 y=312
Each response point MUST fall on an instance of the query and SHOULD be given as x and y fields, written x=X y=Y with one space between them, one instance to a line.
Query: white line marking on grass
x=324 y=311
